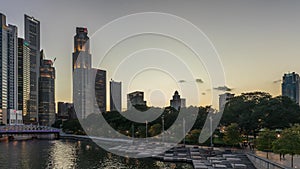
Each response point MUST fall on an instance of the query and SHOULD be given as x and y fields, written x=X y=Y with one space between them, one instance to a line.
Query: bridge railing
x=263 y=163
x=27 y=128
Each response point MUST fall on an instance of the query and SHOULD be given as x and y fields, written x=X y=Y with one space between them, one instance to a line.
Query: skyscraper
x=84 y=104
x=23 y=76
x=3 y=69
x=115 y=96
x=223 y=99
x=12 y=67
x=32 y=36
x=8 y=70
x=100 y=90
x=290 y=86
x=46 y=92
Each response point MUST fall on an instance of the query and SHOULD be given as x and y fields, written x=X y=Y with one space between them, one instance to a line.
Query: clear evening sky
x=257 y=41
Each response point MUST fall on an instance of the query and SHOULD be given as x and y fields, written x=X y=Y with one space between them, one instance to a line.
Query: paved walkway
x=276 y=159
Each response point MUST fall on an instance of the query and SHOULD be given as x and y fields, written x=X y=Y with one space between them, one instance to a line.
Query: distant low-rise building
x=223 y=99
x=14 y=117
x=135 y=99
x=65 y=111
x=183 y=103
x=177 y=102
x=291 y=86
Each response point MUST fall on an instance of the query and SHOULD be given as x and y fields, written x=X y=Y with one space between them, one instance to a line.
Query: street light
x=132 y=130
x=146 y=130
x=183 y=130
x=211 y=133
x=163 y=128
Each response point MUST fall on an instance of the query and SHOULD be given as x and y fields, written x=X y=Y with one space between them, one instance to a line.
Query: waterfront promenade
x=275 y=158
x=199 y=157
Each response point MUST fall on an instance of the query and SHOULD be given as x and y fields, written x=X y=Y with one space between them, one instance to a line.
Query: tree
x=193 y=136
x=232 y=134
x=243 y=110
x=155 y=129
x=257 y=110
x=73 y=126
x=265 y=140
x=288 y=142
x=280 y=112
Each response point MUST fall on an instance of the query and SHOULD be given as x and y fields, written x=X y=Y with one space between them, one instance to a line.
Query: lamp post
x=163 y=128
x=146 y=131
x=132 y=130
x=211 y=133
x=183 y=130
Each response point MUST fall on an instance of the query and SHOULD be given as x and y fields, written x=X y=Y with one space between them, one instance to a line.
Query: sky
x=257 y=42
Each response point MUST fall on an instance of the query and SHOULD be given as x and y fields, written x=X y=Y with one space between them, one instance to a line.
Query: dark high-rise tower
x=46 y=92
x=12 y=67
x=291 y=86
x=100 y=89
x=32 y=36
x=115 y=96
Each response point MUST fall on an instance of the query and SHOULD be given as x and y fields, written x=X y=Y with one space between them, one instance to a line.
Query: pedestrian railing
x=263 y=163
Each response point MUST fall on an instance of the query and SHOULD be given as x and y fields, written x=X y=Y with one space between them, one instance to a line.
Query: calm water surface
x=61 y=154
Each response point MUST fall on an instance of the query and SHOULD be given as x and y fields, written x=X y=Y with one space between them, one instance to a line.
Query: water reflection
x=64 y=154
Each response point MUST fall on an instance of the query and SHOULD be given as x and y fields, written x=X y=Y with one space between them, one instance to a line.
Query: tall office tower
x=290 y=86
x=46 y=92
x=115 y=96
x=100 y=90
x=82 y=75
x=32 y=36
x=12 y=68
x=176 y=101
x=23 y=76
x=8 y=71
x=135 y=99
x=3 y=69
x=223 y=99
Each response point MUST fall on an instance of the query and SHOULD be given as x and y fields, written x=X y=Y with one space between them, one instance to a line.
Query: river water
x=65 y=154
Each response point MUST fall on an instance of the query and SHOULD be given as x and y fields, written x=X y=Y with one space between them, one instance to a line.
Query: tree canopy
x=256 y=110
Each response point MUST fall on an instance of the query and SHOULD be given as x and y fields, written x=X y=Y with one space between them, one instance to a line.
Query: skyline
x=246 y=44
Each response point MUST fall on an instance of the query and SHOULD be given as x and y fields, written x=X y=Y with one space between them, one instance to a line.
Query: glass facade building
x=32 y=36
x=46 y=92
x=100 y=90
x=23 y=76
x=115 y=96
x=12 y=67
x=3 y=69
x=82 y=74
x=8 y=69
